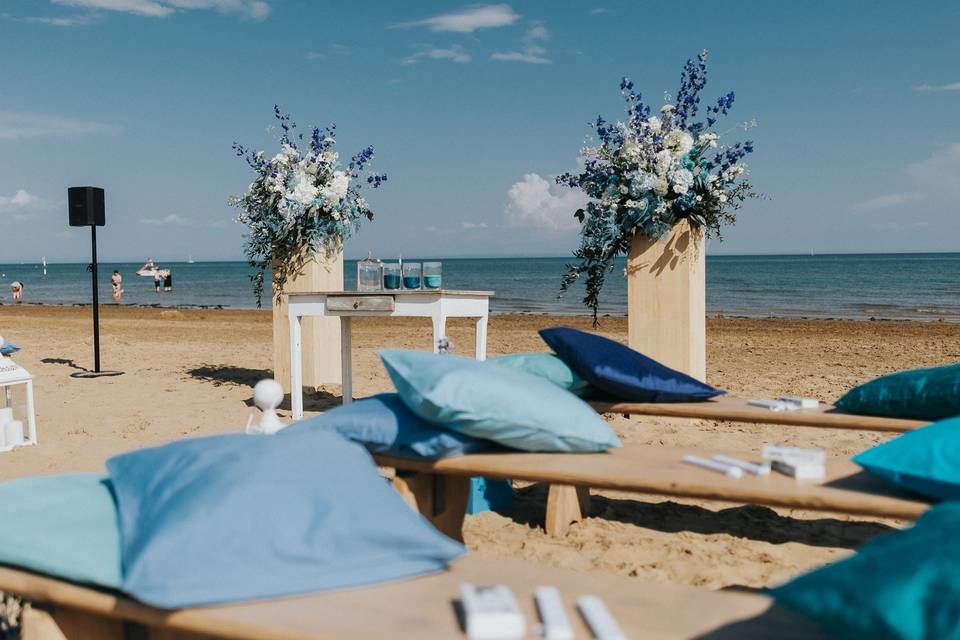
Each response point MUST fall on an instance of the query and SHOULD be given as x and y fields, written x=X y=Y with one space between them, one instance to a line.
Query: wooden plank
x=425 y=607
x=439 y=293
x=659 y=471
x=565 y=505
x=737 y=410
x=666 y=299
x=360 y=303
x=320 y=336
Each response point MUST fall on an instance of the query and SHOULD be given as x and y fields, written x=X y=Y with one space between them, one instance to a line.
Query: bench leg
x=565 y=504
x=441 y=499
x=67 y=624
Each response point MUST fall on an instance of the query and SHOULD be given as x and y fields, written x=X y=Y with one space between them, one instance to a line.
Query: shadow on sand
x=749 y=521
x=221 y=375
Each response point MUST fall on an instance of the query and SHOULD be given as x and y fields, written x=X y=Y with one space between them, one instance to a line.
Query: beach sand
x=191 y=372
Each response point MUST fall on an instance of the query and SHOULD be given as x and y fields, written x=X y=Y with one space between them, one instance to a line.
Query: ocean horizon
x=895 y=286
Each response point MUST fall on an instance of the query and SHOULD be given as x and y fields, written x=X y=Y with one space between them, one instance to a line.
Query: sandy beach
x=191 y=372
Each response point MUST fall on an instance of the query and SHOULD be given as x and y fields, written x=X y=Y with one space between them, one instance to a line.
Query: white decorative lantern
x=17 y=421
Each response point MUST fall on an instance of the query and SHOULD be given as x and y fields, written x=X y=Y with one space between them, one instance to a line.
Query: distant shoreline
x=558 y=314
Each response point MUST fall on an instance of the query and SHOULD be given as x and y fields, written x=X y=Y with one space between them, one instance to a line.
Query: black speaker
x=86 y=206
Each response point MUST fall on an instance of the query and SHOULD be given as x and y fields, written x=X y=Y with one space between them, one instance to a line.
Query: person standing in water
x=157 y=280
x=116 y=281
x=16 y=288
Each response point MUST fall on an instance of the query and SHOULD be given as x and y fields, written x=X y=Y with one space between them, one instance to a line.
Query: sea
x=914 y=286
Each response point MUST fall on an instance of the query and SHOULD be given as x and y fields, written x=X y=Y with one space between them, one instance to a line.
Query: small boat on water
x=148 y=270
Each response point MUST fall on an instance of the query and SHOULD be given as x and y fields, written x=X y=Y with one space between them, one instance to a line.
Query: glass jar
x=411 y=275
x=391 y=276
x=432 y=275
x=369 y=273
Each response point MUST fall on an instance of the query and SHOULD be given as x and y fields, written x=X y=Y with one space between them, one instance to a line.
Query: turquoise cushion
x=64 y=526
x=926 y=460
x=547 y=366
x=510 y=407
x=922 y=394
x=237 y=517
x=383 y=424
x=902 y=586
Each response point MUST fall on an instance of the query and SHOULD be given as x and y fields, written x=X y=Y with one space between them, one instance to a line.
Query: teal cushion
x=902 y=586
x=64 y=526
x=926 y=460
x=547 y=366
x=510 y=407
x=922 y=394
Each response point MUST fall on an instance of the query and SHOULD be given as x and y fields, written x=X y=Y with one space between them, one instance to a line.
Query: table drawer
x=360 y=303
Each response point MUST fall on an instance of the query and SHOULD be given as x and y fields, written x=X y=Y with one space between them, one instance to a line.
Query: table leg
x=481 y=338
x=346 y=358
x=31 y=414
x=296 y=369
x=439 y=329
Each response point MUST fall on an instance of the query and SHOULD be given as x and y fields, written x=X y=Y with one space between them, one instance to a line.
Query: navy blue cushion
x=622 y=372
x=384 y=424
x=238 y=517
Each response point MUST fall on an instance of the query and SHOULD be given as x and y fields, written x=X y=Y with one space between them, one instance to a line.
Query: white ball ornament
x=267 y=396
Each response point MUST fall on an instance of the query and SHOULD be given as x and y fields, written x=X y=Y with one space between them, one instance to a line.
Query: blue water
x=896 y=286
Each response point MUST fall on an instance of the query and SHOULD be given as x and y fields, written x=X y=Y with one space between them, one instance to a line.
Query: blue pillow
x=926 y=460
x=8 y=348
x=64 y=526
x=622 y=372
x=922 y=394
x=510 y=407
x=546 y=365
x=902 y=586
x=237 y=517
x=383 y=424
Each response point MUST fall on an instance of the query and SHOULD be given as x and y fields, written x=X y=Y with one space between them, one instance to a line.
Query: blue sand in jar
x=431 y=282
x=411 y=282
x=391 y=282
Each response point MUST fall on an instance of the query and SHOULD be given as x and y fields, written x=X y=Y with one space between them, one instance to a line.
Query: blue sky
x=473 y=109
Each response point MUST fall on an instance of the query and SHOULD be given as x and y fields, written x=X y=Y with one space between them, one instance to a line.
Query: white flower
x=303 y=190
x=682 y=180
x=667 y=108
x=661 y=186
x=678 y=141
x=722 y=197
x=337 y=189
x=708 y=139
x=733 y=172
x=630 y=150
x=329 y=157
x=664 y=160
x=654 y=123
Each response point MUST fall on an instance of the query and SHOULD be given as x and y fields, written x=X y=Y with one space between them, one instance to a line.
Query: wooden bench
x=439 y=488
x=411 y=609
x=733 y=409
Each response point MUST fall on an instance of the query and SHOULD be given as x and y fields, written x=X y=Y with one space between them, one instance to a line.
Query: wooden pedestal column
x=666 y=299
x=321 y=336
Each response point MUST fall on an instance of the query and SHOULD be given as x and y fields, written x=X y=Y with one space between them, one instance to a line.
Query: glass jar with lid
x=369 y=273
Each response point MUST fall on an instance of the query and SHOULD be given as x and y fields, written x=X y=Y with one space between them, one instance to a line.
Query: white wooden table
x=438 y=305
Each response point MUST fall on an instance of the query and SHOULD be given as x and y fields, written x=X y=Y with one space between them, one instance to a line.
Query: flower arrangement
x=301 y=200
x=651 y=171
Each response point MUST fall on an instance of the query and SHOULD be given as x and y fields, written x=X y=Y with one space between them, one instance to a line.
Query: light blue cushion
x=511 y=407
x=546 y=365
x=622 y=372
x=7 y=349
x=901 y=586
x=64 y=526
x=926 y=460
x=237 y=517
x=383 y=424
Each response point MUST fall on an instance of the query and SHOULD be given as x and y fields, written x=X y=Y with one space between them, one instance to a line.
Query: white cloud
x=14 y=126
x=883 y=202
x=255 y=9
x=78 y=20
x=456 y=53
x=486 y=16
x=952 y=86
x=21 y=198
x=534 y=202
x=23 y=205
x=939 y=175
x=533 y=51
x=599 y=11
x=473 y=225
x=892 y=226
x=172 y=219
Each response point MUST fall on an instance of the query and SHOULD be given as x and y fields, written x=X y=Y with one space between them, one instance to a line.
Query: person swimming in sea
x=116 y=282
